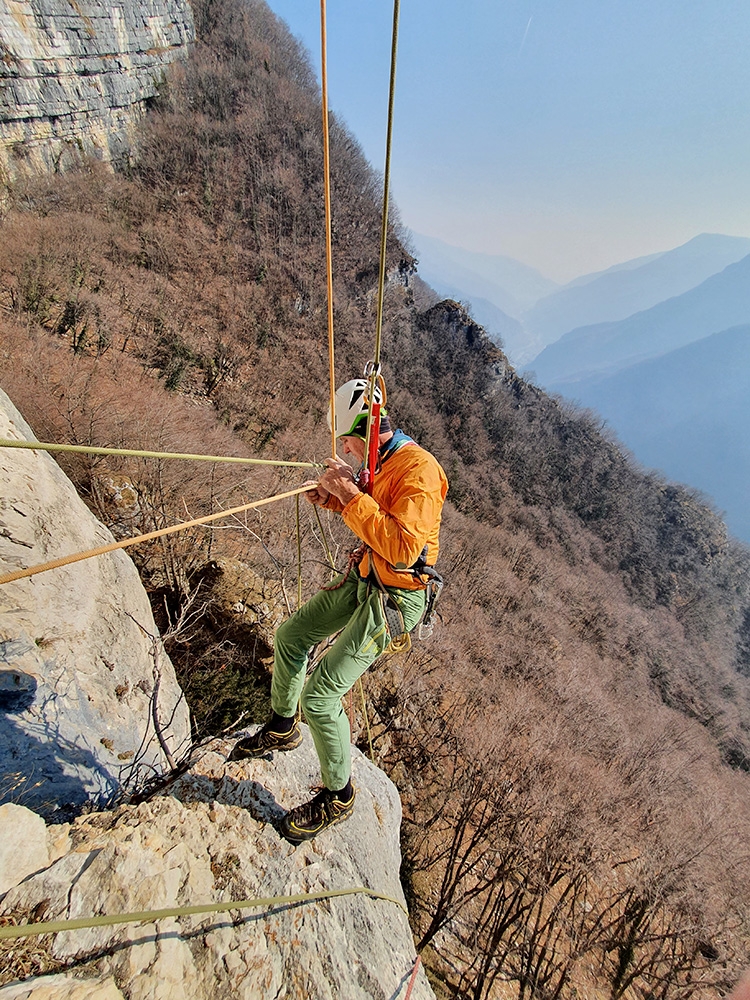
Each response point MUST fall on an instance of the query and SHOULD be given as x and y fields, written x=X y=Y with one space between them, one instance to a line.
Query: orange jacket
x=402 y=515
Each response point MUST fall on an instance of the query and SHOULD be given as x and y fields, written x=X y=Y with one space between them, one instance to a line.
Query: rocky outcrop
x=215 y=839
x=238 y=604
x=76 y=649
x=75 y=76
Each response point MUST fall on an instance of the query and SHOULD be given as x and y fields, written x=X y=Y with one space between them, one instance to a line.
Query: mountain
x=634 y=286
x=498 y=289
x=687 y=413
x=561 y=742
x=509 y=284
x=720 y=302
x=505 y=331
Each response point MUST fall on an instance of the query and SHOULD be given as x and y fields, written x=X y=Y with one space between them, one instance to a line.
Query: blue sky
x=569 y=134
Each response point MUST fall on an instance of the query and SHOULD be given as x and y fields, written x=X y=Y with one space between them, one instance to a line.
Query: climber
x=397 y=523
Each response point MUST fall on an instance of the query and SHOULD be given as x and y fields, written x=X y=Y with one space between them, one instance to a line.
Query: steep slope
x=720 y=302
x=585 y=703
x=687 y=413
x=633 y=287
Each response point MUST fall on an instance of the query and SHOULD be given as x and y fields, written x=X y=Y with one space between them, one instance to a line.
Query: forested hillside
x=572 y=747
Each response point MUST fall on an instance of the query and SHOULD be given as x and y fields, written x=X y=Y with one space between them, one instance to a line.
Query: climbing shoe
x=306 y=821
x=265 y=741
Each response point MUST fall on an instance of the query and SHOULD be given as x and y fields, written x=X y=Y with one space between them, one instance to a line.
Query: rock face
x=27 y=850
x=74 y=76
x=214 y=839
x=76 y=657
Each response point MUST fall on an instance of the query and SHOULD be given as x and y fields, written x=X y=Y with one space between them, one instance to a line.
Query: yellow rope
x=77 y=557
x=148 y=916
x=327 y=194
x=299 y=555
x=367 y=720
x=375 y=371
x=86 y=450
x=326 y=547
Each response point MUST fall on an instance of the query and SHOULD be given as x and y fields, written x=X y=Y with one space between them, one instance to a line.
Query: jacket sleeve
x=398 y=529
x=333 y=503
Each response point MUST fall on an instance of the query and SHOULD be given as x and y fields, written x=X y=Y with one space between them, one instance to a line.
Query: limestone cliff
x=76 y=665
x=75 y=76
x=215 y=839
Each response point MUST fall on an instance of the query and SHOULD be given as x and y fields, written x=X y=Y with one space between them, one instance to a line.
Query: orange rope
x=90 y=553
x=327 y=191
x=413 y=979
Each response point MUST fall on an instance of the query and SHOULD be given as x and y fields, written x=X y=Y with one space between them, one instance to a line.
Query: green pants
x=358 y=615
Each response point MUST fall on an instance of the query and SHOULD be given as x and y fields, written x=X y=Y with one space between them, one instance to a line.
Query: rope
x=149 y=916
x=413 y=979
x=326 y=547
x=367 y=719
x=327 y=194
x=299 y=554
x=85 y=450
x=375 y=369
x=77 y=557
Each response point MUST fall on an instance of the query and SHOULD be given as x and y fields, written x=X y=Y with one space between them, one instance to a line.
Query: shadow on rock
x=228 y=791
x=39 y=768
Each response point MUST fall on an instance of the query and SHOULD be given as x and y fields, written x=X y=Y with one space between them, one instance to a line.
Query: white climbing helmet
x=351 y=405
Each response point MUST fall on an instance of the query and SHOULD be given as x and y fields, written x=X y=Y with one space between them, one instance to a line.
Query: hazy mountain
x=688 y=414
x=505 y=331
x=720 y=302
x=631 y=287
x=626 y=265
x=507 y=283
x=497 y=288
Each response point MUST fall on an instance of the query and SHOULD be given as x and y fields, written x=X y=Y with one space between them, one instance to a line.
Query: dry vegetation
x=573 y=747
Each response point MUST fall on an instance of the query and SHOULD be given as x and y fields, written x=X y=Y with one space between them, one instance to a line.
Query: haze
x=568 y=136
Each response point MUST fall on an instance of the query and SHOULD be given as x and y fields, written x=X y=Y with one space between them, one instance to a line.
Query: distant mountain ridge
x=688 y=414
x=527 y=311
x=634 y=286
x=720 y=302
x=511 y=285
x=497 y=288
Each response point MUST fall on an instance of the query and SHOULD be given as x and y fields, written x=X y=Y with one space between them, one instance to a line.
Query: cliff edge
x=214 y=839
x=75 y=76
x=76 y=649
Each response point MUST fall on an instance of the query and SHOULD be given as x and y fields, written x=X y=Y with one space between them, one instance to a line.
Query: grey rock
x=23 y=846
x=76 y=665
x=215 y=839
x=75 y=76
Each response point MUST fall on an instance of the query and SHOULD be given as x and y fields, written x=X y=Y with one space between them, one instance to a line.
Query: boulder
x=62 y=988
x=76 y=649
x=215 y=838
x=23 y=847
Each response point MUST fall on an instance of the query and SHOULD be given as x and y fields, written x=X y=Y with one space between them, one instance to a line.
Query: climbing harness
x=434 y=588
